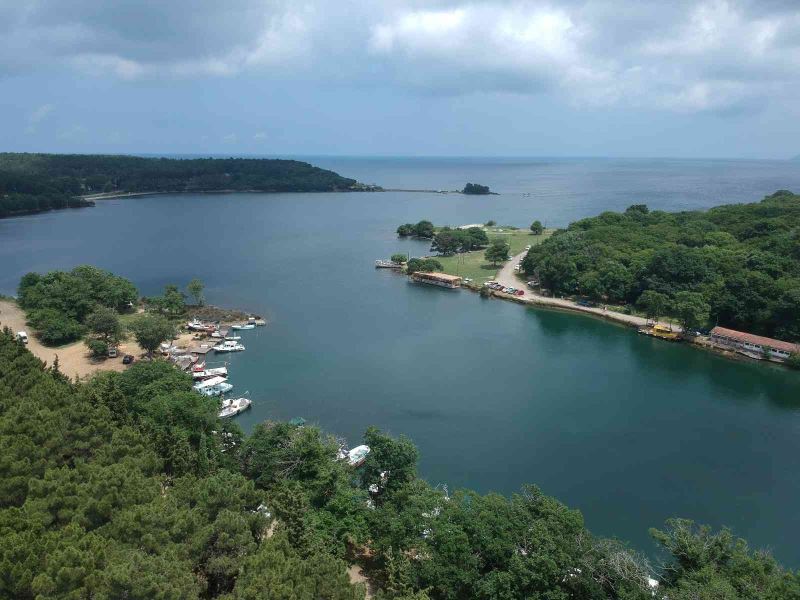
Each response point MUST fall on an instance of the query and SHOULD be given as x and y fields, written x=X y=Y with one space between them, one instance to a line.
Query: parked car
x=519 y=293
x=127 y=359
x=22 y=337
x=112 y=352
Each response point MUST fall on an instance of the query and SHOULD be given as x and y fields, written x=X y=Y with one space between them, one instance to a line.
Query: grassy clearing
x=474 y=266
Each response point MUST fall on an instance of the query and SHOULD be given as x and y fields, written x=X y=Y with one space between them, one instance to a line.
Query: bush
x=793 y=361
x=99 y=348
x=424 y=265
x=53 y=327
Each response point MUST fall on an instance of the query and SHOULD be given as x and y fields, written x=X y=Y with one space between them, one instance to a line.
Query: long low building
x=752 y=345
x=440 y=279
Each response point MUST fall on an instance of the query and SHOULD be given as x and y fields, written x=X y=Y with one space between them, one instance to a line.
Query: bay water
x=627 y=429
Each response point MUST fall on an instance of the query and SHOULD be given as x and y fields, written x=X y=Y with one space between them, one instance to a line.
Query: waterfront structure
x=754 y=346
x=440 y=279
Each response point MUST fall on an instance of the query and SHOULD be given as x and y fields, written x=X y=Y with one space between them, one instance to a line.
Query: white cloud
x=260 y=136
x=37 y=116
x=685 y=55
x=231 y=138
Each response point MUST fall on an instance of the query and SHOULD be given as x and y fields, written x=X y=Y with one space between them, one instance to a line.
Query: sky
x=634 y=78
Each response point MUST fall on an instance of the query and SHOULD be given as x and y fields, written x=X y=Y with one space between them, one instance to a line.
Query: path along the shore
x=507 y=277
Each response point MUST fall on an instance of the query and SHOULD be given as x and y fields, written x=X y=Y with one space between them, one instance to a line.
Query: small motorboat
x=229 y=346
x=233 y=338
x=217 y=390
x=243 y=326
x=387 y=264
x=234 y=406
x=357 y=456
x=209 y=373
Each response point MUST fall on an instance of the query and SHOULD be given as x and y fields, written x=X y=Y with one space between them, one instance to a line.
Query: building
x=440 y=279
x=751 y=345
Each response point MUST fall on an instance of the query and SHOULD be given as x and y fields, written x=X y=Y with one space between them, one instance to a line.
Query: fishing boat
x=243 y=326
x=234 y=406
x=209 y=373
x=357 y=456
x=229 y=346
x=387 y=264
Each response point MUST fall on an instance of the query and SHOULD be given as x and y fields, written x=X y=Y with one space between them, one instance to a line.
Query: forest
x=128 y=485
x=735 y=265
x=37 y=182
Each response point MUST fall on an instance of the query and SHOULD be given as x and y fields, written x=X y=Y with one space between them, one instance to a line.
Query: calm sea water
x=627 y=429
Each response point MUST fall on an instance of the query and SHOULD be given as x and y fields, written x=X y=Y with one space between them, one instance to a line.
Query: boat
x=243 y=326
x=229 y=346
x=208 y=383
x=217 y=390
x=234 y=406
x=387 y=264
x=209 y=373
x=357 y=456
x=197 y=325
x=232 y=338
x=660 y=331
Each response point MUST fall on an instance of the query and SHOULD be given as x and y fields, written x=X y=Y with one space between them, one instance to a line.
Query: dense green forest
x=736 y=265
x=36 y=182
x=127 y=485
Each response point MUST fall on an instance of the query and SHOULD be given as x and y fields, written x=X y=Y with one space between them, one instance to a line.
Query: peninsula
x=31 y=183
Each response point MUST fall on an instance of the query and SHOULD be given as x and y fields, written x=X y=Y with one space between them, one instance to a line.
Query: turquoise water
x=630 y=430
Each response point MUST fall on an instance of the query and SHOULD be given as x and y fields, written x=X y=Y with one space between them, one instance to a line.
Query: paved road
x=507 y=277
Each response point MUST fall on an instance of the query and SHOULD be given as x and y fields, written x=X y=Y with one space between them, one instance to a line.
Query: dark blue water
x=627 y=429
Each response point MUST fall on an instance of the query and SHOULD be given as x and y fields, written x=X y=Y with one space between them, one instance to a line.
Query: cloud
x=231 y=138
x=260 y=136
x=684 y=56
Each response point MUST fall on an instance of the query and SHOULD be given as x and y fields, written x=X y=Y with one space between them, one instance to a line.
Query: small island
x=476 y=189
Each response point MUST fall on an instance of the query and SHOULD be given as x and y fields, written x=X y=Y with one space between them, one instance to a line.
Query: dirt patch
x=357 y=575
x=74 y=359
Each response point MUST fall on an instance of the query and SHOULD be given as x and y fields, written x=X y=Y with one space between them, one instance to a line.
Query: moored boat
x=229 y=346
x=357 y=456
x=243 y=326
x=208 y=373
x=387 y=264
x=217 y=390
x=234 y=406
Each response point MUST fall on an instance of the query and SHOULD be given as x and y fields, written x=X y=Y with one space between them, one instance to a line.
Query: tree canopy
x=476 y=189
x=58 y=303
x=740 y=263
x=128 y=485
x=36 y=182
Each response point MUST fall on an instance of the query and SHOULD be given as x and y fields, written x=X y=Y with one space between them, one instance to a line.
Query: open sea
x=627 y=429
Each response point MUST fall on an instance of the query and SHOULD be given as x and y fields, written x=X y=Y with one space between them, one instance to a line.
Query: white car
x=22 y=337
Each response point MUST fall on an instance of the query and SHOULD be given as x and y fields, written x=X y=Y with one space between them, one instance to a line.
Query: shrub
x=99 y=348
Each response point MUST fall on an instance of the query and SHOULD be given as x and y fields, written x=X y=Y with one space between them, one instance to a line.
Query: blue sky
x=717 y=78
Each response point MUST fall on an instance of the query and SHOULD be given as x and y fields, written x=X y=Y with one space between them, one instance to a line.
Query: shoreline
x=506 y=276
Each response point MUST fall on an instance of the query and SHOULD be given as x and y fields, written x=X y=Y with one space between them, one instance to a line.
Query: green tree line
x=128 y=485
x=735 y=265
x=37 y=182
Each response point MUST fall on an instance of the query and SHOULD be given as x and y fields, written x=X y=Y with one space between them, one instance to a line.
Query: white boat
x=234 y=406
x=229 y=346
x=387 y=264
x=208 y=383
x=196 y=325
x=357 y=456
x=244 y=326
x=217 y=390
x=233 y=338
x=208 y=373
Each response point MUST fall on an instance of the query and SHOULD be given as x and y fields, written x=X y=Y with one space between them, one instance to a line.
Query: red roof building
x=751 y=344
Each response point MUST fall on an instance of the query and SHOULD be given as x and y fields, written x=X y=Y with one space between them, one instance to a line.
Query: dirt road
x=507 y=277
